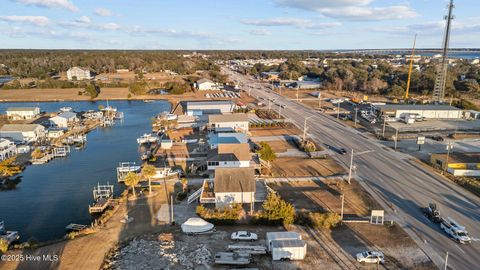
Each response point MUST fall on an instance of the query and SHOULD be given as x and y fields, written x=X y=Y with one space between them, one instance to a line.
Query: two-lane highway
x=401 y=184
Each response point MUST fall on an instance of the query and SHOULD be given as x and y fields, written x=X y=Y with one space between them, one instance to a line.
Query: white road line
x=460 y=249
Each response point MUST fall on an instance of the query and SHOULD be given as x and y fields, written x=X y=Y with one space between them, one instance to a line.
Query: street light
x=356 y=113
x=449 y=148
x=351 y=163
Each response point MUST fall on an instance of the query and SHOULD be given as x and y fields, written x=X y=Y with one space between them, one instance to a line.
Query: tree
x=184 y=182
x=266 y=153
x=148 y=171
x=131 y=180
x=278 y=209
x=9 y=168
x=91 y=90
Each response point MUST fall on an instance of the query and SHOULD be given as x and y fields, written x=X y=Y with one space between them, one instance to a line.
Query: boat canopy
x=196 y=225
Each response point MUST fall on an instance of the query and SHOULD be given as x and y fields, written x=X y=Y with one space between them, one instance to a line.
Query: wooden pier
x=124 y=168
x=56 y=152
x=102 y=195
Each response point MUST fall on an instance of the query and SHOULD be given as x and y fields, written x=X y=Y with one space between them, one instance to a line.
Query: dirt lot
x=281 y=146
x=273 y=131
x=304 y=167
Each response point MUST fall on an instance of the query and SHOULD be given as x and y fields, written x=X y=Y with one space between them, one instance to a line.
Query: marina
x=52 y=195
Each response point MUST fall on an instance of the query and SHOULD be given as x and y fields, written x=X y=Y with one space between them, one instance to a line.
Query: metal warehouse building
x=427 y=111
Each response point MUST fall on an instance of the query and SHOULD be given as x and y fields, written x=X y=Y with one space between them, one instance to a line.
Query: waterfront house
x=206 y=84
x=54 y=133
x=228 y=122
x=22 y=132
x=229 y=156
x=229 y=185
x=226 y=138
x=79 y=74
x=62 y=120
x=7 y=149
x=22 y=113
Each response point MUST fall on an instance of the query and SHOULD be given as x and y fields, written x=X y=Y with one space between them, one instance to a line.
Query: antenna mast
x=440 y=81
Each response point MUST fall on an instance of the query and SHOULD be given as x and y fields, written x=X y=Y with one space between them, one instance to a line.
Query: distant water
x=53 y=195
x=459 y=55
x=5 y=79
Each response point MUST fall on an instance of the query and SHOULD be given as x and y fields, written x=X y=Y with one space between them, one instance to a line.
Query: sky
x=234 y=24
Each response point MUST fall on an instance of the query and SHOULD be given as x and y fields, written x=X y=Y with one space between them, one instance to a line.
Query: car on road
x=370 y=257
x=342 y=151
x=432 y=213
x=244 y=236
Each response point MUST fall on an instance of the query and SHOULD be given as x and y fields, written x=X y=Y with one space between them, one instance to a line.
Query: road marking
x=460 y=249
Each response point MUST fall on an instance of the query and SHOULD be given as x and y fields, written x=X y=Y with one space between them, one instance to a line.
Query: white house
x=63 y=119
x=22 y=113
x=78 y=74
x=22 y=132
x=233 y=185
x=229 y=156
x=54 y=133
x=228 y=122
x=7 y=149
x=206 y=84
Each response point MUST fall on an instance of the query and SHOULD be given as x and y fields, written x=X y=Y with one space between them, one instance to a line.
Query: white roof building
x=63 y=119
x=22 y=113
x=206 y=84
x=78 y=74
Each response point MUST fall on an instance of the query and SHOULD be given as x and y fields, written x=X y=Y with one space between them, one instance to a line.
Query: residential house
x=228 y=122
x=54 y=133
x=22 y=113
x=226 y=138
x=79 y=74
x=8 y=149
x=62 y=120
x=22 y=132
x=233 y=185
x=459 y=164
x=229 y=156
x=206 y=84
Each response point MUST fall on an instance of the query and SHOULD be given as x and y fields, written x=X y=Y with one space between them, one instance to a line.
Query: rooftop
x=234 y=180
x=225 y=118
x=417 y=107
x=19 y=127
x=456 y=157
x=230 y=152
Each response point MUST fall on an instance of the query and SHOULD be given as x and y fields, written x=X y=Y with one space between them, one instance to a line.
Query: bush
x=324 y=220
x=181 y=196
x=225 y=216
x=276 y=209
x=3 y=245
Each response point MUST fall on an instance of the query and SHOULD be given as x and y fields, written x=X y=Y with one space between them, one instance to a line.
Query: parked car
x=244 y=235
x=371 y=257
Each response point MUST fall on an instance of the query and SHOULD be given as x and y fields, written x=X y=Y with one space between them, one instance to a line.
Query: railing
x=195 y=195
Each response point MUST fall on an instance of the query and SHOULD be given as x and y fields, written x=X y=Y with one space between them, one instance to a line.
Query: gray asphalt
x=395 y=180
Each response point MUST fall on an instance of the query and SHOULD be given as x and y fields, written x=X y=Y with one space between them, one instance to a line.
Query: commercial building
x=198 y=108
x=22 y=132
x=8 y=149
x=79 y=74
x=458 y=164
x=22 y=113
x=424 y=111
x=64 y=119
x=228 y=122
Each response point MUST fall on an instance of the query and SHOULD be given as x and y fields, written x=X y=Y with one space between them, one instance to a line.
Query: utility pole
x=446 y=261
x=383 y=130
x=341 y=212
x=338 y=111
x=356 y=113
x=396 y=138
x=319 y=100
x=171 y=206
x=350 y=169
x=305 y=128
x=449 y=147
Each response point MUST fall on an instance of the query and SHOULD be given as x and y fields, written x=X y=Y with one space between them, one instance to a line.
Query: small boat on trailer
x=9 y=236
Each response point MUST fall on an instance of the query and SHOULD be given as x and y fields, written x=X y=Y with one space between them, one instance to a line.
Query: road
x=395 y=179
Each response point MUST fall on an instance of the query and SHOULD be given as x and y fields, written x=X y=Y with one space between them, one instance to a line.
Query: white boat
x=197 y=226
x=9 y=236
x=66 y=109
x=147 y=138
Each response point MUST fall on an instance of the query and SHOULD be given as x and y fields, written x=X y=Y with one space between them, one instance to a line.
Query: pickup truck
x=454 y=230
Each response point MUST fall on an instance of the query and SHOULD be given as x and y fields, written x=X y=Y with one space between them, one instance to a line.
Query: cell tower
x=440 y=81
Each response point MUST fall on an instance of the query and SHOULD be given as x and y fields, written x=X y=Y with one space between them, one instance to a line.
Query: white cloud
x=108 y=26
x=35 y=20
x=359 y=10
x=66 y=4
x=258 y=32
x=103 y=12
x=83 y=20
x=295 y=22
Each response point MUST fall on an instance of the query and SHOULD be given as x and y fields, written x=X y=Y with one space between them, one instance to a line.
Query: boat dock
x=102 y=195
x=124 y=168
x=56 y=152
